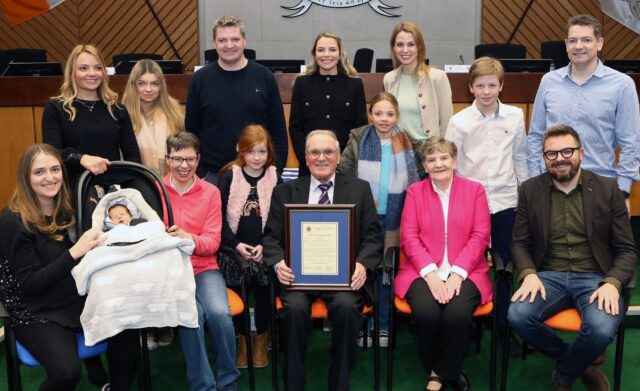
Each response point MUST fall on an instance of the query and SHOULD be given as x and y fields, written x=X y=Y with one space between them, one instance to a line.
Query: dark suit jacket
x=347 y=190
x=605 y=216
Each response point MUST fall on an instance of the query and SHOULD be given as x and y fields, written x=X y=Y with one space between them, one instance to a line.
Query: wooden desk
x=22 y=100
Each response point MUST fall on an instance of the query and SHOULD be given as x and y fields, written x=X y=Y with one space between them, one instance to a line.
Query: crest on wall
x=303 y=6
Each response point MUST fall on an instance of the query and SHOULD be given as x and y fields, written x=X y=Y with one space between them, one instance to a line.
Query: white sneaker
x=106 y=387
x=384 y=339
x=152 y=343
x=360 y=340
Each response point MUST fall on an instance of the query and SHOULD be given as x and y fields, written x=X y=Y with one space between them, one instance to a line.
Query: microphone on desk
x=461 y=60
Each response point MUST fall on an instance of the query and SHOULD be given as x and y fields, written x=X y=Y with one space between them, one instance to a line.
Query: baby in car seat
x=121 y=210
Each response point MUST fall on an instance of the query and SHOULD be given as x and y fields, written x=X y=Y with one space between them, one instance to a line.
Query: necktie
x=324 y=197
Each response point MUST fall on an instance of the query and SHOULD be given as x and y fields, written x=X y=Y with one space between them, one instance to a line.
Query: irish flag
x=18 y=11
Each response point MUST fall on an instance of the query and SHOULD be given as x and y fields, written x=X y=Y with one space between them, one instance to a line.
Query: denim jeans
x=384 y=291
x=566 y=290
x=501 y=228
x=214 y=313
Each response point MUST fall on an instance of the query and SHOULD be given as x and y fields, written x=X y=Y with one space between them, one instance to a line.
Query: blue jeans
x=384 y=291
x=566 y=290
x=501 y=229
x=214 y=312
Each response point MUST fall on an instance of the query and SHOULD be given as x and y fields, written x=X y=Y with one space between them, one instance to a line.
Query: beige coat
x=434 y=97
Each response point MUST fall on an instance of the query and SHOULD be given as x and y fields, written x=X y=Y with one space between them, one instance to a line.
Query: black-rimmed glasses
x=565 y=152
x=177 y=160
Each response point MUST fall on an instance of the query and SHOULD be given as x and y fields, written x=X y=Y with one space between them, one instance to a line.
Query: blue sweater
x=221 y=103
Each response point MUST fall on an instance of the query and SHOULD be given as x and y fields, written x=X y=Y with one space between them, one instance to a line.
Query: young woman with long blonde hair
x=85 y=122
x=329 y=95
x=154 y=113
x=423 y=92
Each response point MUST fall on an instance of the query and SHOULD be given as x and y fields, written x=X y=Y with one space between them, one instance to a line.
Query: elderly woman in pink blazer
x=444 y=234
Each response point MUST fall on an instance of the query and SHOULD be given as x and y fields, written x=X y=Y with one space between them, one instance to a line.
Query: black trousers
x=55 y=347
x=444 y=331
x=262 y=312
x=345 y=312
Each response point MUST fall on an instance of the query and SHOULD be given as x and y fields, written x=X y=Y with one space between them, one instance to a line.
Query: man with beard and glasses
x=597 y=101
x=573 y=248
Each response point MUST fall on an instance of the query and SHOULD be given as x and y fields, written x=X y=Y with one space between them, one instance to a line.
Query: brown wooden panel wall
x=115 y=27
x=546 y=20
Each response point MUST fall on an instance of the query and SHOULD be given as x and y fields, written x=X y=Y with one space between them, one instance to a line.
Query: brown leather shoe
x=598 y=361
x=594 y=379
x=260 y=356
x=241 y=354
x=556 y=385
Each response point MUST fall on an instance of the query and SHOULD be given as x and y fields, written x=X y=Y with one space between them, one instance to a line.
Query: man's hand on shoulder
x=284 y=273
x=608 y=298
x=359 y=276
x=531 y=285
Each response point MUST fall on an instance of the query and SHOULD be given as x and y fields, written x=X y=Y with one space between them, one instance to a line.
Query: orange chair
x=235 y=303
x=319 y=311
x=237 y=307
x=570 y=320
x=392 y=259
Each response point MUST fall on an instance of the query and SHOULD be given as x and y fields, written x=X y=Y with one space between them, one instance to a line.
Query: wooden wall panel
x=546 y=20
x=115 y=27
x=37 y=123
x=15 y=139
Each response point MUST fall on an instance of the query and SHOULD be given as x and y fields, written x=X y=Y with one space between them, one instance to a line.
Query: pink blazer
x=422 y=233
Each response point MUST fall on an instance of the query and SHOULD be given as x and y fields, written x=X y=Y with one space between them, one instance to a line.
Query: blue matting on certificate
x=341 y=217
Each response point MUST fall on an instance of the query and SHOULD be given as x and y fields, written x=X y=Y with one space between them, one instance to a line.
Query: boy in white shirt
x=490 y=137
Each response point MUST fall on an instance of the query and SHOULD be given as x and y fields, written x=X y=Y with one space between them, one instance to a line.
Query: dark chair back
x=122 y=61
x=556 y=51
x=21 y=55
x=127 y=175
x=210 y=55
x=501 y=50
x=363 y=59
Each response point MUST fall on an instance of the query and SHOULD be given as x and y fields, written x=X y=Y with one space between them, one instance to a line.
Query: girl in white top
x=154 y=113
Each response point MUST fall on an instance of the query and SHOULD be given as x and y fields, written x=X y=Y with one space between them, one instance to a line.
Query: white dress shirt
x=315 y=192
x=491 y=150
x=445 y=267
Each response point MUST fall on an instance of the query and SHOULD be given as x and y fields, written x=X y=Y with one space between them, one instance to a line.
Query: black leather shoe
x=438 y=379
x=462 y=384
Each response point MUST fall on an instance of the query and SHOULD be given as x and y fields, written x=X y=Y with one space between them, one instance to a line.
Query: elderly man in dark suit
x=323 y=186
x=573 y=247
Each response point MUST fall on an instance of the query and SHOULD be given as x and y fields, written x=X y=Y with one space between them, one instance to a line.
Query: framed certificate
x=320 y=245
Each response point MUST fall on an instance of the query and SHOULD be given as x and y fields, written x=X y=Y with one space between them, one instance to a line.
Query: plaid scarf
x=402 y=174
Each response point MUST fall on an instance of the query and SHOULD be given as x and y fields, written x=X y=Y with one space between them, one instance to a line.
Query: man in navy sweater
x=229 y=94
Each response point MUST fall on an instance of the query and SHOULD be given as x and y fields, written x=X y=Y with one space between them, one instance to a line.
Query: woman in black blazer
x=328 y=95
